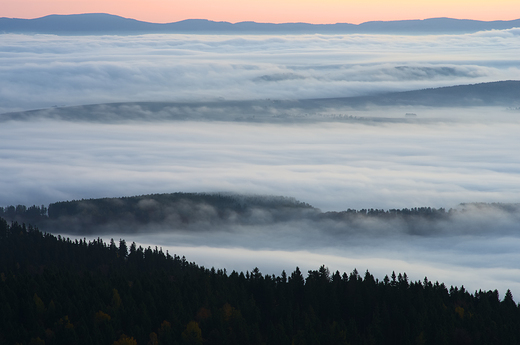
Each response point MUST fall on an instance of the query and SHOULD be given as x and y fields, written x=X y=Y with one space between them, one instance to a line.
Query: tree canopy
x=54 y=290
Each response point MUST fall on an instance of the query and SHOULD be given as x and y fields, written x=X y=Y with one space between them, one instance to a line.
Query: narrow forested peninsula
x=57 y=291
x=208 y=211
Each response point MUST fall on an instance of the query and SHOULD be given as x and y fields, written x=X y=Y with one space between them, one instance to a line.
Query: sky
x=310 y=11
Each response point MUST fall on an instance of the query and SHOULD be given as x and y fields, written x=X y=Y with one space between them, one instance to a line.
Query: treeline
x=422 y=212
x=155 y=207
x=54 y=290
x=33 y=214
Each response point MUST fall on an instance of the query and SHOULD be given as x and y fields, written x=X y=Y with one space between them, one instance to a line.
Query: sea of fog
x=332 y=166
x=38 y=71
x=458 y=155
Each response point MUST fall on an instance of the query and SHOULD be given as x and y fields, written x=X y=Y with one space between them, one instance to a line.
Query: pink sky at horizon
x=274 y=11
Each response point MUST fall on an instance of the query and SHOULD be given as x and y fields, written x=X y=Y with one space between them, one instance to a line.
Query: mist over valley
x=456 y=246
x=419 y=131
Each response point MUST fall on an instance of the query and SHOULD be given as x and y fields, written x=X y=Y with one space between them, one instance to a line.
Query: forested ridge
x=57 y=291
x=183 y=210
x=196 y=213
x=179 y=209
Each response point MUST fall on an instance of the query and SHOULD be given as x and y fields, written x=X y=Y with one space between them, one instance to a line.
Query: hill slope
x=57 y=291
x=502 y=93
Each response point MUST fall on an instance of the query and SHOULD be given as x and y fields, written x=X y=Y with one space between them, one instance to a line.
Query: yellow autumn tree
x=116 y=299
x=192 y=334
x=153 y=339
x=40 y=307
x=102 y=317
x=125 y=340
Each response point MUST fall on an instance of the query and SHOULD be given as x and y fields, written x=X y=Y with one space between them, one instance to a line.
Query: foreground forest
x=57 y=291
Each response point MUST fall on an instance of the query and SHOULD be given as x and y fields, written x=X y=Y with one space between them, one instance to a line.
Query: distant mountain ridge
x=102 y=23
x=503 y=93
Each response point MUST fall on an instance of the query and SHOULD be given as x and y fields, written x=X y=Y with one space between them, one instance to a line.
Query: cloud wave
x=38 y=71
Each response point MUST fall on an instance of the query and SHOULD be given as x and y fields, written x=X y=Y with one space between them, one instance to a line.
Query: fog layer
x=39 y=71
x=333 y=166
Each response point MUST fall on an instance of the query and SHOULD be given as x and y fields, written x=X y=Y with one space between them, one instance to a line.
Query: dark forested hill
x=196 y=212
x=176 y=210
x=193 y=212
x=505 y=92
x=101 y=23
x=57 y=291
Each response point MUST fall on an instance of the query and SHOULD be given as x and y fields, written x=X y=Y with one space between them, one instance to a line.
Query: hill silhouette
x=501 y=93
x=102 y=23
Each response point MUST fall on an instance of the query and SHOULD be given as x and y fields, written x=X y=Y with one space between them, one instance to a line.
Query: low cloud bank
x=332 y=165
x=41 y=71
